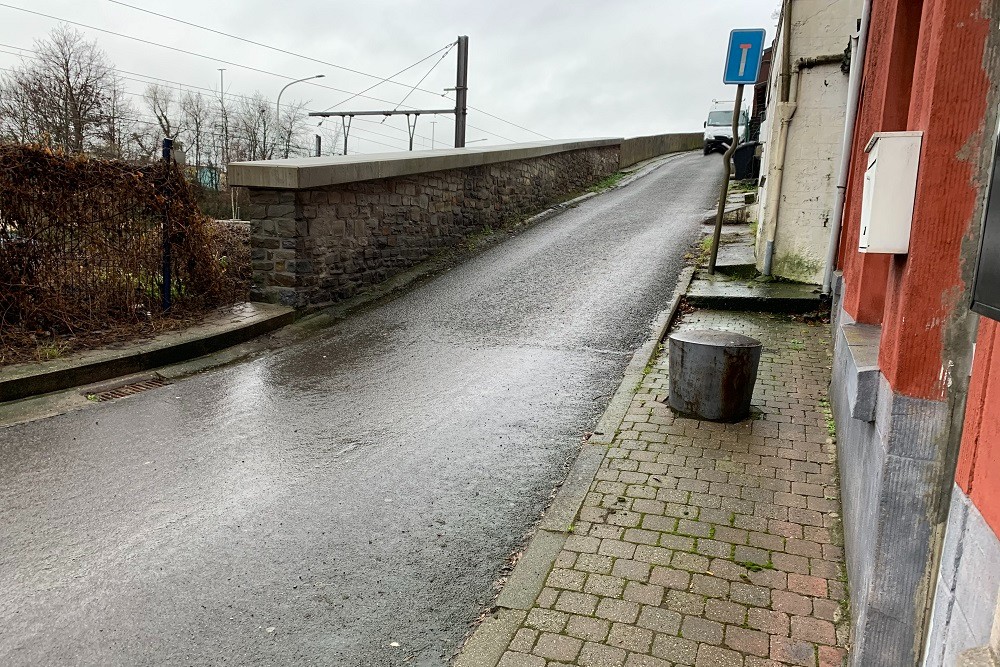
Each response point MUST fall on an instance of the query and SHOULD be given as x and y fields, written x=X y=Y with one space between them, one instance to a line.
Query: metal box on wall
x=986 y=284
x=889 y=189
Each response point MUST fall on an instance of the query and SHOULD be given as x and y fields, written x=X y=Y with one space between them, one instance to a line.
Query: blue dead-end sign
x=743 y=59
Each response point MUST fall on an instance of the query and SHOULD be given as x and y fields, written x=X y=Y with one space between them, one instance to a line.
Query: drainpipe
x=858 y=50
x=786 y=55
x=781 y=109
x=786 y=110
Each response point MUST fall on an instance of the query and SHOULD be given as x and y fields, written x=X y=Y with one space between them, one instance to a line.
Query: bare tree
x=222 y=127
x=61 y=96
x=147 y=140
x=291 y=123
x=18 y=122
x=198 y=114
x=257 y=128
x=120 y=126
x=160 y=101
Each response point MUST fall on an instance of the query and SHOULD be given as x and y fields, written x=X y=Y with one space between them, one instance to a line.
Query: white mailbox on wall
x=887 y=198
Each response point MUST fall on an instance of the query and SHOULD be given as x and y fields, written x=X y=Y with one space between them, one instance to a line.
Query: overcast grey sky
x=565 y=69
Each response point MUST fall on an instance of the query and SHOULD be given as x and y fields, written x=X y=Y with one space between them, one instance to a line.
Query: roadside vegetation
x=607 y=183
x=46 y=101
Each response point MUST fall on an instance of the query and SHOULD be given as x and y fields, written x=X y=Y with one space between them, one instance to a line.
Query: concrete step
x=734 y=214
x=738 y=255
x=724 y=292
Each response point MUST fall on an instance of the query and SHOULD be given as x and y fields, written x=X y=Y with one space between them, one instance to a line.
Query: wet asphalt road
x=315 y=505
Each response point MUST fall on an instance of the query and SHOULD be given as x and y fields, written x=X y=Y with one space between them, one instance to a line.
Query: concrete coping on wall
x=318 y=172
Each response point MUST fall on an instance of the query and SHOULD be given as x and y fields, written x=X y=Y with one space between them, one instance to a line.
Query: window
x=986 y=286
x=723 y=118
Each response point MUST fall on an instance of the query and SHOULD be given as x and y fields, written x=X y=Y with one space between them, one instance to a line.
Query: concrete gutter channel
x=486 y=645
x=219 y=339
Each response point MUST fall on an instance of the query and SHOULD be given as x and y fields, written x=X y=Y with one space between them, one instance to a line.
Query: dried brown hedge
x=81 y=246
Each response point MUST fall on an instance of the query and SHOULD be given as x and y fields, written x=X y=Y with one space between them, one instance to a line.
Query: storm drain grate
x=130 y=389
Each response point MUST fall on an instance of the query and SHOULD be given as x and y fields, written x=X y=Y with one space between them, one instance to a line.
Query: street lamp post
x=278 y=105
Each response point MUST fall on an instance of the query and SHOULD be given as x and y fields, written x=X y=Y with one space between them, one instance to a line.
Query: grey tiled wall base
x=888 y=463
x=968 y=583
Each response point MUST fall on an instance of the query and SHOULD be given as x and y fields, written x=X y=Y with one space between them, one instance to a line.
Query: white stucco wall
x=814 y=135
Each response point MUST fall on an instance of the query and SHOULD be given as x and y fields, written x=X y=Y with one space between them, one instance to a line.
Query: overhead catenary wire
x=235 y=64
x=28 y=53
x=410 y=92
x=520 y=127
x=329 y=64
x=190 y=53
x=286 y=51
x=390 y=79
x=248 y=67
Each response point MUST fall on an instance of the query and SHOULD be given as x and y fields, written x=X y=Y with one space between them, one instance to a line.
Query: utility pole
x=319 y=145
x=225 y=116
x=433 y=123
x=461 y=105
x=462 y=91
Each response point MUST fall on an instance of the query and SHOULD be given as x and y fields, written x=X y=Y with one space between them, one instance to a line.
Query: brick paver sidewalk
x=707 y=544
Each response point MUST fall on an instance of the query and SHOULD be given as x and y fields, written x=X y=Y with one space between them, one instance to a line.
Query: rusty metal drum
x=712 y=373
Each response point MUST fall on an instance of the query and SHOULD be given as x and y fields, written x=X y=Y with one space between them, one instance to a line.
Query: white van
x=719 y=126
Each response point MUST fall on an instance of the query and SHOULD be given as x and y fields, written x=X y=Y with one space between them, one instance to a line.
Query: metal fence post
x=168 y=145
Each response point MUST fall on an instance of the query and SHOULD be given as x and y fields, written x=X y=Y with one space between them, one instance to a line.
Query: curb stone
x=487 y=643
x=27 y=380
x=604 y=432
x=642 y=169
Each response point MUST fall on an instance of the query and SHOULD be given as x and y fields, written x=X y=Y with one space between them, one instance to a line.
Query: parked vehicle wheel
x=708 y=149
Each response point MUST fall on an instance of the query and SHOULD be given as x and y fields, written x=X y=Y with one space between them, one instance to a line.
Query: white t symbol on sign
x=745 y=48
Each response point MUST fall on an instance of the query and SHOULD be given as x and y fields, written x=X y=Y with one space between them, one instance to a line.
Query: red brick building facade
x=919 y=442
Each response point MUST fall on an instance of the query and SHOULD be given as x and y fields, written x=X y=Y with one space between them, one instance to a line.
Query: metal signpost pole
x=724 y=191
x=746 y=47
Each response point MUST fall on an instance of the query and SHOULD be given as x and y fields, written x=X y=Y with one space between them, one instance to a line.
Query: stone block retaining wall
x=323 y=244
x=332 y=226
x=637 y=149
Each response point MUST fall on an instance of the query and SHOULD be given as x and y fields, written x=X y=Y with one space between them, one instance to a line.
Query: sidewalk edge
x=486 y=645
x=131 y=362
x=607 y=425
